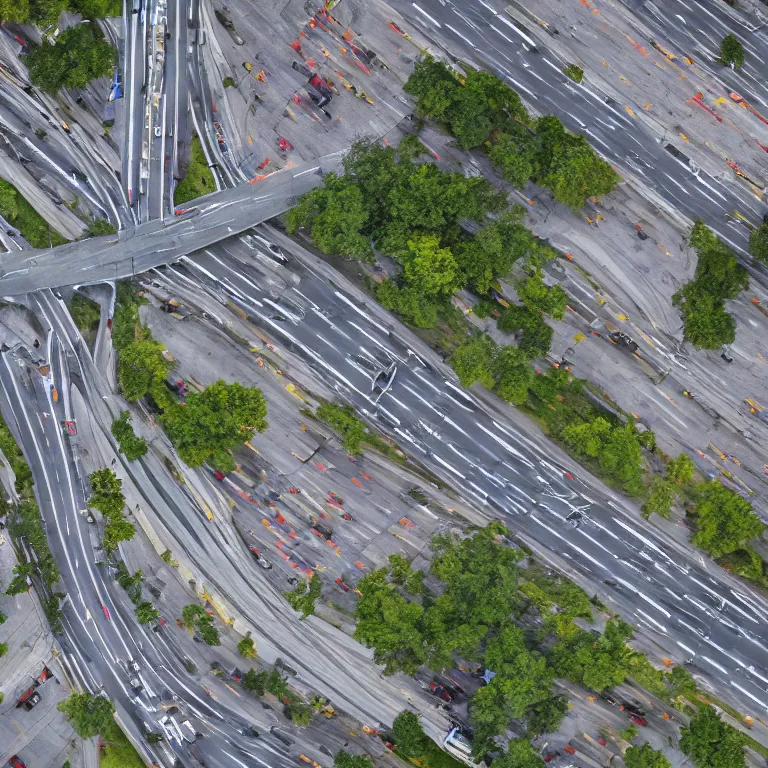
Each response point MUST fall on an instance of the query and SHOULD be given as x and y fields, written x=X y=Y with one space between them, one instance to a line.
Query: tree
x=706 y=323
x=346 y=760
x=254 y=682
x=3 y=649
x=552 y=301
x=335 y=216
x=758 y=242
x=89 y=715
x=645 y=757
x=546 y=715
x=474 y=360
x=215 y=422
x=107 y=495
x=415 y=309
x=681 y=470
x=78 y=57
x=430 y=267
x=724 y=520
x=731 y=52
x=408 y=735
x=681 y=681
x=536 y=334
x=142 y=370
x=44 y=13
x=14 y=10
x=342 y=418
x=661 y=498
x=575 y=72
x=131 y=446
x=146 y=613
x=300 y=714
x=403 y=575
x=520 y=754
x=514 y=156
x=115 y=531
x=711 y=743
x=246 y=648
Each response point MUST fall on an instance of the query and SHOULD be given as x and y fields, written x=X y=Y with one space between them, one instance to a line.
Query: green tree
x=707 y=325
x=403 y=575
x=415 y=308
x=576 y=73
x=346 y=760
x=198 y=177
x=681 y=470
x=142 y=370
x=724 y=520
x=552 y=301
x=78 y=57
x=115 y=531
x=146 y=613
x=132 y=446
x=254 y=682
x=645 y=757
x=89 y=715
x=408 y=735
x=520 y=754
x=45 y=13
x=711 y=743
x=106 y=493
x=300 y=714
x=536 y=334
x=3 y=649
x=335 y=216
x=430 y=267
x=215 y=422
x=731 y=52
x=545 y=716
x=85 y=313
x=342 y=418
x=97 y=9
x=514 y=156
x=681 y=681
x=758 y=242
x=474 y=361
x=14 y=10
x=661 y=498
x=246 y=648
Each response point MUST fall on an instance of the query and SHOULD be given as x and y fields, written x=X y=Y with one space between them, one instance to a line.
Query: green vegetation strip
x=21 y=215
x=198 y=179
x=107 y=497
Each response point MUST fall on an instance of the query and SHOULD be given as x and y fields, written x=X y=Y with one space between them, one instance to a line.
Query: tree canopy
x=724 y=520
x=214 y=422
x=731 y=51
x=718 y=277
x=78 y=57
x=711 y=743
x=89 y=715
x=645 y=756
x=758 y=242
x=408 y=735
x=344 y=759
x=480 y=109
x=520 y=754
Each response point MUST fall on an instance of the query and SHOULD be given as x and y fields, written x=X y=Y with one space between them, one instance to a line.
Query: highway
x=478 y=33
x=139 y=248
x=692 y=609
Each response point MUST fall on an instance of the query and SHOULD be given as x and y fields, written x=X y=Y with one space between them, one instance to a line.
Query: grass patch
x=198 y=180
x=20 y=214
x=86 y=314
x=117 y=751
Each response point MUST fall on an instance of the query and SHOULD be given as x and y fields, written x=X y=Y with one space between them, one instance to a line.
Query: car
x=14 y=761
x=248 y=66
x=32 y=701
x=440 y=691
x=219 y=475
x=158 y=131
x=261 y=560
x=638 y=720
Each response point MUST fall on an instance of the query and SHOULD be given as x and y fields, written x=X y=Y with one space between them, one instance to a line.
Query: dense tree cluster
x=645 y=756
x=665 y=491
x=478 y=109
x=718 y=277
x=44 y=13
x=132 y=446
x=89 y=715
x=412 y=211
x=711 y=743
x=107 y=497
x=758 y=242
x=19 y=213
x=78 y=56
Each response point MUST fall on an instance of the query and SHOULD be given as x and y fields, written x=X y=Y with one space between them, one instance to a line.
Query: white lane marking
x=425 y=14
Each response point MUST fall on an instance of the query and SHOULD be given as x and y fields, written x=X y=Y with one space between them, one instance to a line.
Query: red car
x=638 y=719
x=440 y=691
x=218 y=475
x=16 y=762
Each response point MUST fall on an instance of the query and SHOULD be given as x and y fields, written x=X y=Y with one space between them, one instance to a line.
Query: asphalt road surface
x=689 y=606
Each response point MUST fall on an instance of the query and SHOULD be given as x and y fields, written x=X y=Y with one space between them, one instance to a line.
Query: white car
x=158 y=131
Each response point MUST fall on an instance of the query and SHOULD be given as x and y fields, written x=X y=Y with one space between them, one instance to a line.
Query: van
x=201 y=40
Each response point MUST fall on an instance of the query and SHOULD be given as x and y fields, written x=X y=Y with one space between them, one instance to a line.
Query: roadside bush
x=198 y=178
x=758 y=242
x=132 y=446
x=731 y=52
x=574 y=72
x=85 y=313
